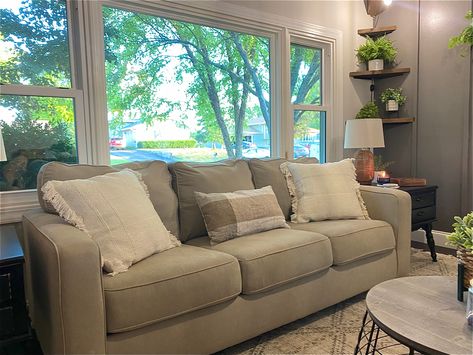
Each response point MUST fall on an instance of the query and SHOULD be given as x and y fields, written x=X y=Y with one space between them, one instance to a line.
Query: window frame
x=247 y=28
x=86 y=47
x=326 y=92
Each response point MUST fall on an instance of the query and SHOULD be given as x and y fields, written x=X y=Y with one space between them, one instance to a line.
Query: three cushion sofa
x=201 y=298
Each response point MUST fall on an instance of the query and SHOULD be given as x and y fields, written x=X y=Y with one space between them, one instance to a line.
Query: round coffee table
x=420 y=312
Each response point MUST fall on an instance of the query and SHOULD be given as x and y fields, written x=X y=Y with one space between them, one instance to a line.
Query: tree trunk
x=259 y=90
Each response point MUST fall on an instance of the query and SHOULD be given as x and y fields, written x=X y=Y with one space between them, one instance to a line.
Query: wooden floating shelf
x=379 y=74
x=399 y=120
x=376 y=31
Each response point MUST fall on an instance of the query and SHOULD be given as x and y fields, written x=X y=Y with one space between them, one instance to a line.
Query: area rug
x=335 y=329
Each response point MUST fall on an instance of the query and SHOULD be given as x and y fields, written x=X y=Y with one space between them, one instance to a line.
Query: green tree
x=35 y=46
x=226 y=67
x=305 y=78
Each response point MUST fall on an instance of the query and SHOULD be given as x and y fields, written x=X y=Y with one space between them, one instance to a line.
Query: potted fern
x=370 y=110
x=462 y=239
x=376 y=52
x=393 y=98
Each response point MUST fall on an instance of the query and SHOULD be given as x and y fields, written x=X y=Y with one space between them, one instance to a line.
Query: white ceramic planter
x=392 y=105
x=376 y=64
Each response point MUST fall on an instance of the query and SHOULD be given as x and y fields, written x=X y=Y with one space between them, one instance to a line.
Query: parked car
x=248 y=145
x=301 y=151
x=117 y=143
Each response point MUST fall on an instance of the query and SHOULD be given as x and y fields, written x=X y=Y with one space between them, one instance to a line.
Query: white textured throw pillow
x=115 y=211
x=324 y=191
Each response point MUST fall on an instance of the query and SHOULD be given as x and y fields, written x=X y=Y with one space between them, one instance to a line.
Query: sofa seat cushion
x=168 y=284
x=275 y=257
x=352 y=240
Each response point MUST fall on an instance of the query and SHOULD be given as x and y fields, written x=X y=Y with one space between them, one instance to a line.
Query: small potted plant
x=370 y=110
x=393 y=98
x=375 y=52
x=462 y=239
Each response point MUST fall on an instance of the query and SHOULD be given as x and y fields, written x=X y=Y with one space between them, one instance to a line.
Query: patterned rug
x=335 y=329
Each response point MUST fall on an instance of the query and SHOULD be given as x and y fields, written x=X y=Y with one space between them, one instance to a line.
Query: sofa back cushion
x=225 y=176
x=155 y=175
x=267 y=172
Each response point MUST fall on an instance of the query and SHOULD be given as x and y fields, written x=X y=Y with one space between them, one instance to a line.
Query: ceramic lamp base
x=364 y=165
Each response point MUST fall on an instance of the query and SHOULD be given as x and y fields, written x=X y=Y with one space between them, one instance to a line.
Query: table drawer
x=7 y=327
x=423 y=200
x=423 y=214
x=5 y=296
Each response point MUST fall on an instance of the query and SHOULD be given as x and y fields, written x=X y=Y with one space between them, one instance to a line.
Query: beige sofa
x=199 y=298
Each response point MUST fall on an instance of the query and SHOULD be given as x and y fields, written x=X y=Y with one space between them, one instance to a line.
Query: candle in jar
x=383 y=177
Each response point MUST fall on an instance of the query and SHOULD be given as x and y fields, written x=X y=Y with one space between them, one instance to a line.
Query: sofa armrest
x=392 y=206
x=65 y=293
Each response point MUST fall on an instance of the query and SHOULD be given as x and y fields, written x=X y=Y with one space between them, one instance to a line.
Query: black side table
x=424 y=211
x=15 y=324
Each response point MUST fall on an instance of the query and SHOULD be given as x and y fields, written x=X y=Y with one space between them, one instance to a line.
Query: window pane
x=306 y=74
x=34 y=43
x=309 y=134
x=35 y=130
x=182 y=91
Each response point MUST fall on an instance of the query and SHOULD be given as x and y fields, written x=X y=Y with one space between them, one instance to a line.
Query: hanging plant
x=465 y=38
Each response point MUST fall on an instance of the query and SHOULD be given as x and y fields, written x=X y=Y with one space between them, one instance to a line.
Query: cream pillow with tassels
x=115 y=211
x=324 y=191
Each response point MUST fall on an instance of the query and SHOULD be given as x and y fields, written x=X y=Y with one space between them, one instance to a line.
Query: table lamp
x=364 y=133
x=3 y=154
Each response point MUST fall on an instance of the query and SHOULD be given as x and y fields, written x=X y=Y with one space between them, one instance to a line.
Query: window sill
x=14 y=203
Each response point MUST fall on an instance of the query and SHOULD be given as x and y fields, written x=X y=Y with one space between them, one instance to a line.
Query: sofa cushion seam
x=286 y=281
x=277 y=252
x=358 y=231
x=169 y=278
x=364 y=256
x=143 y=324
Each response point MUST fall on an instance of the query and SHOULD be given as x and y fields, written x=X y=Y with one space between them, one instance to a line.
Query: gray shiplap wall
x=438 y=145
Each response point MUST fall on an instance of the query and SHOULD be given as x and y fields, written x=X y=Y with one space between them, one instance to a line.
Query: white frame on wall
x=88 y=73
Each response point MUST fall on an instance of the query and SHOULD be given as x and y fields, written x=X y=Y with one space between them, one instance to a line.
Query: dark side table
x=424 y=211
x=14 y=325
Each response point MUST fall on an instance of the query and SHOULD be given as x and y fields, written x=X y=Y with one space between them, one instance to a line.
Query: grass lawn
x=197 y=154
x=119 y=161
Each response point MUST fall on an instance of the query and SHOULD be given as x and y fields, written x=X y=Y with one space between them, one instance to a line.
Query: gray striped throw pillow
x=234 y=214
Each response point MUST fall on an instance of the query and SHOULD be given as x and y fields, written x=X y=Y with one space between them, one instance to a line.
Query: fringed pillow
x=324 y=191
x=115 y=211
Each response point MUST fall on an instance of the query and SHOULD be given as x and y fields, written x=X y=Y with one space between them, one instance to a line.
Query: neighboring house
x=134 y=132
x=257 y=132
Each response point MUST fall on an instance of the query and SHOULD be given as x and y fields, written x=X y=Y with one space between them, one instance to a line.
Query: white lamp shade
x=364 y=133
x=3 y=154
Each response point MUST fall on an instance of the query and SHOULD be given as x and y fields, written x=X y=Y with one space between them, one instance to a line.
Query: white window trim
x=91 y=105
x=327 y=92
